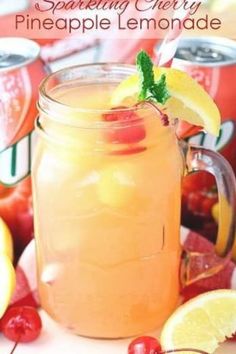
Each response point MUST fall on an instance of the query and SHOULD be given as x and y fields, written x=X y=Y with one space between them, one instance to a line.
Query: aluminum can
x=21 y=71
x=212 y=62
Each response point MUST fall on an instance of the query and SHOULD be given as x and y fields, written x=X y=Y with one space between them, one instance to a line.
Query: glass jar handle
x=196 y=265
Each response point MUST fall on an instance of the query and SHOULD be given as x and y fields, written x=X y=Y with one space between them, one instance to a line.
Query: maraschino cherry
x=131 y=129
x=144 y=345
x=21 y=324
x=150 y=345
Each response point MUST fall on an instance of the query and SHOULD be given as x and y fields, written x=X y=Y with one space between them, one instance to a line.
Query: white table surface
x=54 y=340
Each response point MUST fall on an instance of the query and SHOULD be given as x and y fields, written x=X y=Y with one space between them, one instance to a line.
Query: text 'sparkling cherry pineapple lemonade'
x=107 y=188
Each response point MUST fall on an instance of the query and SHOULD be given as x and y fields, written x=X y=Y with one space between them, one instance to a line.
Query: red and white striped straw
x=170 y=43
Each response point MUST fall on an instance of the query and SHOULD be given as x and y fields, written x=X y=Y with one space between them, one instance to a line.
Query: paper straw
x=170 y=43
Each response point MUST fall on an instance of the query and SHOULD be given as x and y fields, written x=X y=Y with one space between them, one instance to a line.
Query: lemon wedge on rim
x=201 y=323
x=188 y=102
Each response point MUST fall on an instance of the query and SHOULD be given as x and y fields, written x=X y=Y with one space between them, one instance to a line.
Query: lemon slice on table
x=7 y=282
x=188 y=101
x=201 y=323
x=6 y=244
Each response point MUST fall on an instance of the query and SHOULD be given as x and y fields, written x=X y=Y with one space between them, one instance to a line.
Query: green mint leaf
x=159 y=91
x=145 y=68
x=149 y=89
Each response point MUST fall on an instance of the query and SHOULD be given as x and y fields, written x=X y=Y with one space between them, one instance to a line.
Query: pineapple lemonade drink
x=107 y=188
x=106 y=227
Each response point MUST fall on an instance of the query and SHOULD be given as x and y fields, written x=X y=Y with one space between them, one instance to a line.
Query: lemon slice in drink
x=201 y=323
x=7 y=282
x=188 y=102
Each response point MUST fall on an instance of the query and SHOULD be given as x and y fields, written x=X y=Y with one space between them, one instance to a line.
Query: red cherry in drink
x=144 y=345
x=131 y=129
x=21 y=324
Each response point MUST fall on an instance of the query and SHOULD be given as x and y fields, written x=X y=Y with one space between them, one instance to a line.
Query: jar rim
x=55 y=110
x=46 y=95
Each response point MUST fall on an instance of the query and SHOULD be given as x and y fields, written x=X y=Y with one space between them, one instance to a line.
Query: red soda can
x=212 y=62
x=21 y=71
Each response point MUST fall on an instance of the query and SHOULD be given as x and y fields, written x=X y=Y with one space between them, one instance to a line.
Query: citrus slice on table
x=201 y=323
x=6 y=244
x=7 y=282
x=188 y=101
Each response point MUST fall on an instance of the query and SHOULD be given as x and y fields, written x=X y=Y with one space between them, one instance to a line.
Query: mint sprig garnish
x=150 y=90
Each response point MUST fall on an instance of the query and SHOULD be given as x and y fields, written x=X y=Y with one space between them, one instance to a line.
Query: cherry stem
x=164 y=117
x=13 y=349
x=183 y=350
x=16 y=344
